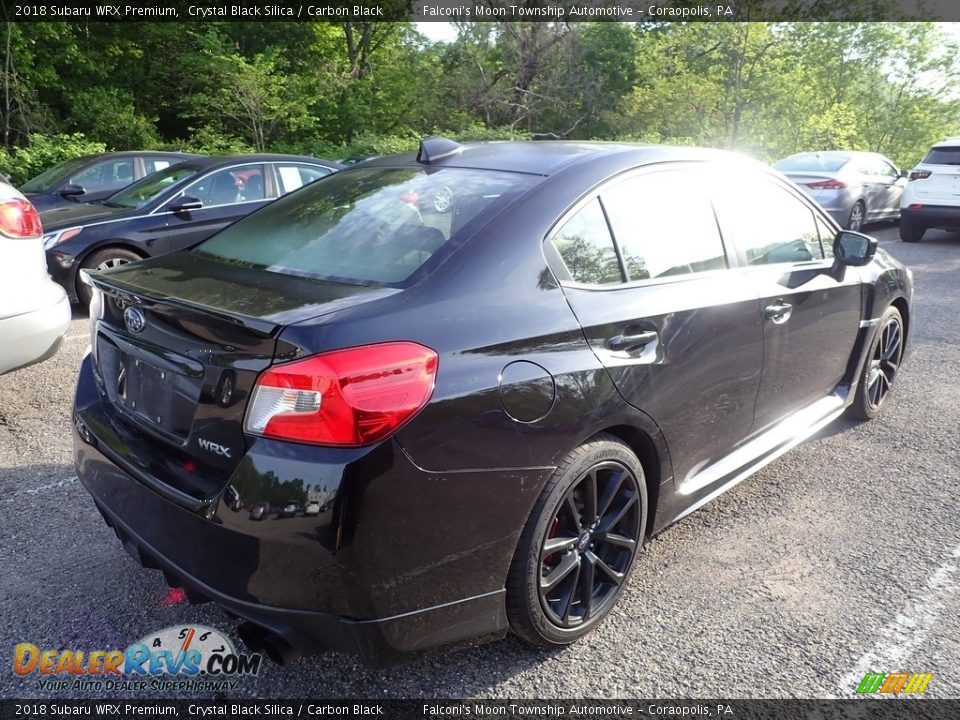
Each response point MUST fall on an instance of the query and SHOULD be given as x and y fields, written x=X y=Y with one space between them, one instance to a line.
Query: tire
x=858 y=216
x=910 y=232
x=102 y=260
x=881 y=367
x=587 y=547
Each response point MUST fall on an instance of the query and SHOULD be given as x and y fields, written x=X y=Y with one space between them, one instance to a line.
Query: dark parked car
x=505 y=400
x=856 y=188
x=169 y=210
x=260 y=511
x=288 y=510
x=94 y=177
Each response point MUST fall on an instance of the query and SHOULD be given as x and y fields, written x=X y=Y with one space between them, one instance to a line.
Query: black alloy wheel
x=579 y=545
x=593 y=537
x=881 y=367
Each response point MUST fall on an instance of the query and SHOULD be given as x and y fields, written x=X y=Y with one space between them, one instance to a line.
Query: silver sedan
x=854 y=187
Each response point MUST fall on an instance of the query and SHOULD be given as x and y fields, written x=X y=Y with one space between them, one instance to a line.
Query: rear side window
x=367 y=226
x=943 y=156
x=293 y=177
x=767 y=222
x=586 y=246
x=664 y=225
x=155 y=164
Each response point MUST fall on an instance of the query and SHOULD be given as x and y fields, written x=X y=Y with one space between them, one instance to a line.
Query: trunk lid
x=942 y=187
x=178 y=342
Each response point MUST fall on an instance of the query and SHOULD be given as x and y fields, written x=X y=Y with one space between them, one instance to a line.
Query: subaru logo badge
x=134 y=319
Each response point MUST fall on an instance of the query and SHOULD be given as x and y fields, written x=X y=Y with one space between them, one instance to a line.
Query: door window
x=109 y=175
x=296 y=176
x=664 y=225
x=766 y=222
x=243 y=183
x=587 y=249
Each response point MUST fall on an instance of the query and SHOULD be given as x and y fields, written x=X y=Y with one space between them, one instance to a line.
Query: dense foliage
x=354 y=89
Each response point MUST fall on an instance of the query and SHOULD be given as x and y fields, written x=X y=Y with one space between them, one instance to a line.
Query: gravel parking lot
x=840 y=558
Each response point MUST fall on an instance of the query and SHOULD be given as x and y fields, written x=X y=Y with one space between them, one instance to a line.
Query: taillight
x=830 y=184
x=19 y=219
x=346 y=397
x=919 y=174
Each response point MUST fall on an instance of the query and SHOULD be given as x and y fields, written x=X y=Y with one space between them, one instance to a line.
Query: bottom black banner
x=886 y=709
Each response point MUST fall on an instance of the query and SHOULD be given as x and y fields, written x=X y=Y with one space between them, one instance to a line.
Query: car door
x=678 y=332
x=811 y=316
x=227 y=194
x=893 y=187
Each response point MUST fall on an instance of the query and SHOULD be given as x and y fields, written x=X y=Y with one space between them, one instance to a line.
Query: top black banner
x=480 y=10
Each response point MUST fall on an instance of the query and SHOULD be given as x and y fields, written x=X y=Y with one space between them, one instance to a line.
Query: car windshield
x=814 y=162
x=943 y=156
x=145 y=190
x=369 y=226
x=52 y=177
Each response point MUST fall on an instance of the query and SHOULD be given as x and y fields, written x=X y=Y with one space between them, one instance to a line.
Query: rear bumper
x=397 y=561
x=933 y=216
x=34 y=336
x=379 y=642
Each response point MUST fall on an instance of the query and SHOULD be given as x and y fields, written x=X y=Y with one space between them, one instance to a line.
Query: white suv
x=932 y=197
x=34 y=310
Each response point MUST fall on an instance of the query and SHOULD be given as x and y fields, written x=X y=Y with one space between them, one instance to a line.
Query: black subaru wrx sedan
x=494 y=404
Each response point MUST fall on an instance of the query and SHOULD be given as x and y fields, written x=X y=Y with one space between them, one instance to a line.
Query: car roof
x=137 y=153
x=948 y=142
x=837 y=153
x=543 y=157
x=206 y=162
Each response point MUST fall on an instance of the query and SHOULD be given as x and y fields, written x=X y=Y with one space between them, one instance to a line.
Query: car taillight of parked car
x=919 y=174
x=19 y=219
x=354 y=396
x=827 y=185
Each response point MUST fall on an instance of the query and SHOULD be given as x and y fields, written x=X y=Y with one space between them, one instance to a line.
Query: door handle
x=779 y=312
x=632 y=343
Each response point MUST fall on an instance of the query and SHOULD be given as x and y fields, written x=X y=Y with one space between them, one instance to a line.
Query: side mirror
x=71 y=190
x=185 y=203
x=853 y=248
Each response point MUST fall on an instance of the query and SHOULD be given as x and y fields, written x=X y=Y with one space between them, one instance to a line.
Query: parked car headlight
x=58 y=236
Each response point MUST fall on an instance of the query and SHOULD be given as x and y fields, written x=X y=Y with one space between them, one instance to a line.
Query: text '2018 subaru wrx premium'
x=489 y=407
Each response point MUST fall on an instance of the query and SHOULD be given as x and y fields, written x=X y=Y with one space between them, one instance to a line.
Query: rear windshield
x=943 y=156
x=816 y=162
x=369 y=226
x=145 y=190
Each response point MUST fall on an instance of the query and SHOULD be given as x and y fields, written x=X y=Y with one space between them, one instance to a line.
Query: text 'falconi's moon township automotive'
x=364 y=423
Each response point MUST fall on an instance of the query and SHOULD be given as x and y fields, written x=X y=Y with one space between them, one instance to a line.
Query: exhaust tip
x=274 y=646
x=252 y=635
x=279 y=650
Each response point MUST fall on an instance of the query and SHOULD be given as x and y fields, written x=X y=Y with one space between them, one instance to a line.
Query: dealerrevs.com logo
x=176 y=658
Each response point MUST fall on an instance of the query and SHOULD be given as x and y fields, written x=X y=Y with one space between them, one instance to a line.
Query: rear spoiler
x=133 y=294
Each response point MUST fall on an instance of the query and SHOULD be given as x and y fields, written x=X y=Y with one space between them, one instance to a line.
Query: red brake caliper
x=552 y=534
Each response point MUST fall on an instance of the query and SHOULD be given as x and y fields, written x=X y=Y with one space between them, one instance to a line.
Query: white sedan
x=34 y=310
